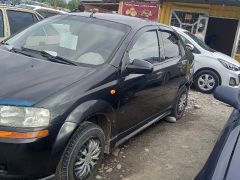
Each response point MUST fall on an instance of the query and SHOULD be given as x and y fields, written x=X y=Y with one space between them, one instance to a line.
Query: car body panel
x=35 y=78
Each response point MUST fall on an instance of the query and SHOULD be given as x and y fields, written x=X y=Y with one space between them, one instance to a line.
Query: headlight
x=228 y=65
x=24 y=116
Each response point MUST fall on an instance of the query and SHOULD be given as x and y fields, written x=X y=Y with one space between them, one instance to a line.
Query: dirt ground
x=170 y=151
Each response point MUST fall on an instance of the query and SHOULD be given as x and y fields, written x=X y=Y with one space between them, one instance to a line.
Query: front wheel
x=206 y=81
x=180 y=103
x=83 y=154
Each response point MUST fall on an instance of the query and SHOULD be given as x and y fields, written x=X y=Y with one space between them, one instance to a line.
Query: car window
x=146 y=48
x=19 y=20
x=1 y=24
x=199 y=42
x=171 y=45
x=73 y=38
x=238 y=48
x=46 y=13
x=186 y=41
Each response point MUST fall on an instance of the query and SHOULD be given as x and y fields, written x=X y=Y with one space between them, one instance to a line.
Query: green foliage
x=73 y=4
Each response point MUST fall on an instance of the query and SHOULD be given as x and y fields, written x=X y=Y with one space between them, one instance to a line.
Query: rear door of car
x=19 y=20
x=143 y=96
x=174 y=62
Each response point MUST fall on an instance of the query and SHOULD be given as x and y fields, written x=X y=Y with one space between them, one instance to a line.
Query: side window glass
x=146 y=48
x=1 y=25
x=171 y=45
x=185 y=40
x=19 y=20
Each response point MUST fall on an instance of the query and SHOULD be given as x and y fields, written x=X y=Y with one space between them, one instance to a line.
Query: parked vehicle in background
x=44 y=11
x=211 y=68
x=14 y=19
x=223 y=162
x=78 y=85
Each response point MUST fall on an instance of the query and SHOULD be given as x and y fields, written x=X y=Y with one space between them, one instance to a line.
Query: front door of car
x=144 y=96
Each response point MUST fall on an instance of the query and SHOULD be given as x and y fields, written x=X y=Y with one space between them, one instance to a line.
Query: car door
x=175 y=64
x=142 y=97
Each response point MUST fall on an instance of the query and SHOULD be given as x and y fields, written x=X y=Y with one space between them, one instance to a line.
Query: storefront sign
x=144 y=10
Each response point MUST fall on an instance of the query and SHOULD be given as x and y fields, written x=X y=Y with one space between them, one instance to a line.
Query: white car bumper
x=231 y=79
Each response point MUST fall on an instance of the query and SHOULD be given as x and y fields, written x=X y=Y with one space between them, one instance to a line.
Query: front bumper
x=34 y=158
x=228 y=76
x=25 y=158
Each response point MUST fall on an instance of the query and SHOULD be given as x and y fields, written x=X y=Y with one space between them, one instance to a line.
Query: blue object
x=16 y=102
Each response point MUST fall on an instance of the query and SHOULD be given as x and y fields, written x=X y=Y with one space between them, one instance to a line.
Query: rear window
x=19 y=20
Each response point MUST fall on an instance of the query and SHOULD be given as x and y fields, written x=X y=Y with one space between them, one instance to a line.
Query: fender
x=91 y=108
x=77 y=116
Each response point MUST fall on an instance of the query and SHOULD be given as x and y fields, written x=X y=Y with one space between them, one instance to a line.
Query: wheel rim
x=87 y=159
x=182 y=103
x=206 y=82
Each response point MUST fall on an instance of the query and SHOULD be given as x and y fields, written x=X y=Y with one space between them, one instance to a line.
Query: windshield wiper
x=19 y=51
x=49 y=56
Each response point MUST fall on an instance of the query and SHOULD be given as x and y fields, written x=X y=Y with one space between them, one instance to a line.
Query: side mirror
x=139 y=67
x=228 y=95
x=190 y=47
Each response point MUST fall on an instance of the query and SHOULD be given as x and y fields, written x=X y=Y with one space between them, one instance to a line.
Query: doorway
x=221 y=34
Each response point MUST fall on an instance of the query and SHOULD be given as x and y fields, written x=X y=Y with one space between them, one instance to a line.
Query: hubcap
x=87 y=159
x=182 y=103
x=206 y=82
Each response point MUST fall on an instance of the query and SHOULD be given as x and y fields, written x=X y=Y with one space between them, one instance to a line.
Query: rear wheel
x=83 y=154
x=181 y=103
x=206 y=81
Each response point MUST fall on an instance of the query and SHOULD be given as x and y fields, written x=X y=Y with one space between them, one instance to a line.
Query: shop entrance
x=221 y=34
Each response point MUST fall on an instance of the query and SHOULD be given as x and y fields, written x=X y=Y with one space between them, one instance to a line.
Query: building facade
x=218 y=21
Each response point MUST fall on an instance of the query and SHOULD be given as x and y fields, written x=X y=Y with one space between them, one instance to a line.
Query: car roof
x=16 y=8
x=35 y=7
x=126 y=20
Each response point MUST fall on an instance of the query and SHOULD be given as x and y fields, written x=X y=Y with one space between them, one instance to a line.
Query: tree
x=73 y=4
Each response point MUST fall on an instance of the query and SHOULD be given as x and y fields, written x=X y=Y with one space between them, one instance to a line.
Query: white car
x=211 y=68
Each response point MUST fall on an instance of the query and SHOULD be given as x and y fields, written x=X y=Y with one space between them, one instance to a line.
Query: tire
x=85 y=147
x=180 y=103
x=206 y=81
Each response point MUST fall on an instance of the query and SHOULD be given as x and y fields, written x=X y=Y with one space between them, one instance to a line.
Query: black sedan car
x=223 y=163
x=73 y=87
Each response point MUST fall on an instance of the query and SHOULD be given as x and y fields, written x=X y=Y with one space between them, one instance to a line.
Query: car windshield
x=199 y=41
x=78 y=39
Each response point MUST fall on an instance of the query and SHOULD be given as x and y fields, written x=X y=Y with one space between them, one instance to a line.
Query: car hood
x=27 y=78
x=225 y=58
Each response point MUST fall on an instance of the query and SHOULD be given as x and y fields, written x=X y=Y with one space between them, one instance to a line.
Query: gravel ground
x=170 y=151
